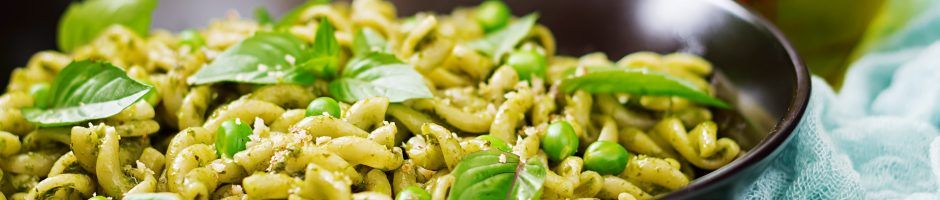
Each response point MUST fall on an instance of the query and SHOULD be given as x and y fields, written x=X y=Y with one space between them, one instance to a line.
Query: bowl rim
x=780 y=133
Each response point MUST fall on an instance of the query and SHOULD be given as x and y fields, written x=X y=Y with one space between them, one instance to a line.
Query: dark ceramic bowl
x=757 y=69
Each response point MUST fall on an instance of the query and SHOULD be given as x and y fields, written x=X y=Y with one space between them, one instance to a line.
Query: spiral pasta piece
x=193 y=109
x=367 y=113
x=358 y=150
x=79 y=183
x=510 y=113
x=328 y=126
x=672 y=130
x=246 y=110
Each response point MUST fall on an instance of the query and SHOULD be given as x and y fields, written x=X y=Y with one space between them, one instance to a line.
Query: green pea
x=323 y=105
x=231 y=137
x=493 y=15
x=192 y=38
x=527 y=63
x=40 y=93
x=413 y=193
x=496 y=143
x=560 y=141
x=606 y=157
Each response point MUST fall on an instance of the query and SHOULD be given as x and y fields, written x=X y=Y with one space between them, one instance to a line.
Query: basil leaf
x=87 y=90
x=379 y=74
x=262 y=15
x=265 y=58
x=496 y=44
x=84 y=21
x=325 y=55
x=291 y=17
x=367 y=40
x=529 y=179
x=493 y=174
x=642 y=82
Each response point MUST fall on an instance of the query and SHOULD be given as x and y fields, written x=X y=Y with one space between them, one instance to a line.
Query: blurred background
x=828 y=34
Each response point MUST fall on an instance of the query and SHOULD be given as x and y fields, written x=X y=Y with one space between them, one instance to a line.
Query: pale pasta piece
x=50 y=61
x=81 y=184
x=193 y=109
x=12 y=120
x=186 y=161
x=358 y=150
x=244 y=109
x=439 y=185
x=16 y=100
x=404 y=176
x=108 y=166
x=287 y=119
x=504 y=78
x=269 y=185
x=367 y=113
x=228 y=170
x=35 y=163
x=510 y=113
x=614 y=186
x=474 y=122
x=425 y=154
x=323 y=158
x=9 y=144
x=65 y=164
x=578 y=113
x=410 y=118
x=172 y=89
x=624 y=117
x=637 y=141
x=385 y=135
x=322 y=125
x=591 y=183
x=284 y=95
x=377 y=181
x=375 y=14
x=447 y=141
x=469 y=61
x=672 y=130
x=320 y=183
x=656 y=171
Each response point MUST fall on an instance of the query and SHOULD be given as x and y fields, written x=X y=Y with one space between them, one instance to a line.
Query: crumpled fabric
x=876 y=138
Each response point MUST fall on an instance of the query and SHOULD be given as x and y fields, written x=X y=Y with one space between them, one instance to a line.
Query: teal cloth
x=877 y=138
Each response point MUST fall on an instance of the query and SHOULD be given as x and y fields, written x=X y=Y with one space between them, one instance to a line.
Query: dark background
x=28 y=27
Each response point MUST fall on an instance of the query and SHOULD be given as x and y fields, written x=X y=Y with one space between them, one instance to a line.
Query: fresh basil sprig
x=262 y=15
x=498 y=43
x=494 y=174
x=84 y=21
x=275 y=57
x=325 y=52
x=642 y=82
x=367 y=40
x=379 y=74
x=265 y=58
x=84 y=91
